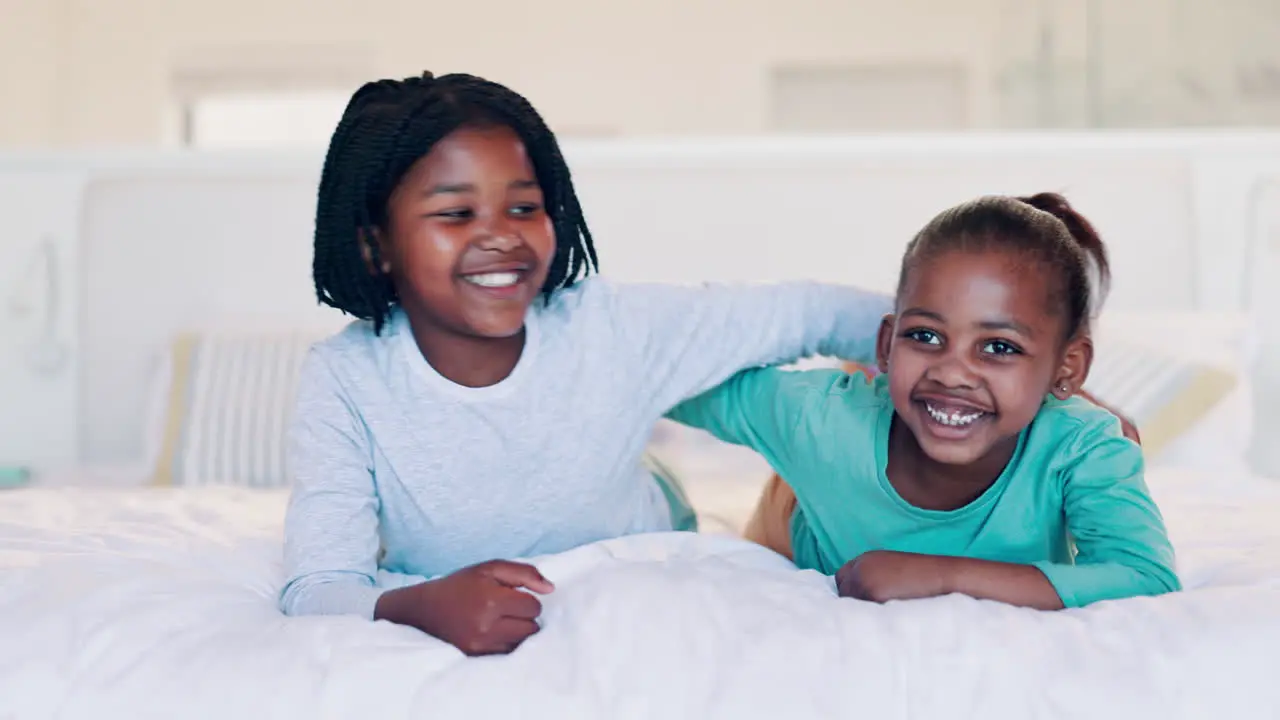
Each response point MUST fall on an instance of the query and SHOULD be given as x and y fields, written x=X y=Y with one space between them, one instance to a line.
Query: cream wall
x=76 y=72
x=102 y=68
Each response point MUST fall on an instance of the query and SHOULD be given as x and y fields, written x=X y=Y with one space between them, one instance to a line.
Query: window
x=258 y=120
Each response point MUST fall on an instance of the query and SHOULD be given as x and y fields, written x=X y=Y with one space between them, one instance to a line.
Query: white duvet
x=155 y=603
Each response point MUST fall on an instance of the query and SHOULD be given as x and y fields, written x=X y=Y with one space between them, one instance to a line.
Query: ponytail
x=1083 y=232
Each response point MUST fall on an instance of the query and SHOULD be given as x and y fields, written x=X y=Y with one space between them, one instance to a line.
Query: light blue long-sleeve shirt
x=390 y=458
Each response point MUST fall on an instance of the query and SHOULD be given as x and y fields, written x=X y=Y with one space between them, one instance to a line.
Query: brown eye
x=454 y=214
x=925 y=337
x=1000 y=347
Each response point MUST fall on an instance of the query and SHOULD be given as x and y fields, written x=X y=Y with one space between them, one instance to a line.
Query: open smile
x=504 y=282
x=950 y=420
x=504 y=279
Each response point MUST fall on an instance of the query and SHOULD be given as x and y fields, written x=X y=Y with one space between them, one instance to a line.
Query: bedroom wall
x=86 y=72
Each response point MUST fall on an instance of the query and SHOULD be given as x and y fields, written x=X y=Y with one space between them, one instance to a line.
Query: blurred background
x=196 y=73
x=158 y=161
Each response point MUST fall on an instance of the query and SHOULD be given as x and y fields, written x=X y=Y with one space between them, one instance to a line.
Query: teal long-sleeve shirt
x=1072 y=502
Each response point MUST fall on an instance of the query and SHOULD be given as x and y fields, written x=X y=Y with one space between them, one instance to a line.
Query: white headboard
x=170 y=243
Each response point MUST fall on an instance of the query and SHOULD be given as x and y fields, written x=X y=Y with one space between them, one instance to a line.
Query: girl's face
x=468 y=241
x=975 y=347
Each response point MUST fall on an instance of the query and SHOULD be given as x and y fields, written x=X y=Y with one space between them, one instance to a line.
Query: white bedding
x=160 y=603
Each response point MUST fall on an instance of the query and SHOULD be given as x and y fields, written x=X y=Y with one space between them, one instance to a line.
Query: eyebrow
x=997 y=324
x=447 y=188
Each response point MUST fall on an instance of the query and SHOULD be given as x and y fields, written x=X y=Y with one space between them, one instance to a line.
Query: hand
x=853 y=368
x=1128 y=428
x=478 y=609
x=1126 y=425
x=884 y=575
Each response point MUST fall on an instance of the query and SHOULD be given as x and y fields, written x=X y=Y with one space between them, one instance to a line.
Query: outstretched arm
x=764 y=409
x=687 y=340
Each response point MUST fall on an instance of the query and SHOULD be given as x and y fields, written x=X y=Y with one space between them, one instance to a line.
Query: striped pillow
x=1163 y=394
x=230 y=398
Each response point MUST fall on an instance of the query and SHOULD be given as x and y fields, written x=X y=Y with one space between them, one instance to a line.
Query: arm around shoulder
x=689 y=339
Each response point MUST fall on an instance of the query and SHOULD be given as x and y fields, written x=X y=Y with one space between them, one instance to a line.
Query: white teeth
x=494 y=280
x=955 y=418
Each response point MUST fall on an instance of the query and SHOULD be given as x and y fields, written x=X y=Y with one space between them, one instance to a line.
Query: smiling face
x=976 y=345
x=467 y=242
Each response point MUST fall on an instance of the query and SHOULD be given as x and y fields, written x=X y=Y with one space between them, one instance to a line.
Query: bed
x=161 y=603
x=148 y=589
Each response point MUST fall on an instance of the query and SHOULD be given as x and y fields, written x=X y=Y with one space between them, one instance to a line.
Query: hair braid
x=387 y=126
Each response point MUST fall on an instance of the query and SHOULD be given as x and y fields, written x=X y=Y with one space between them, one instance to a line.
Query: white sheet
x=160 y=603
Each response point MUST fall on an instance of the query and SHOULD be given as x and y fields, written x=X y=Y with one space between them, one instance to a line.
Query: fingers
x=1131 y=431
x=507 y=635
x=512 y=631
x=847 y=580
x=516 y=575
x=520 y=605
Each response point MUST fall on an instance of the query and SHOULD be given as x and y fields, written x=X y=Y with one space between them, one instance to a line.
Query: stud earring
x=1064 y=387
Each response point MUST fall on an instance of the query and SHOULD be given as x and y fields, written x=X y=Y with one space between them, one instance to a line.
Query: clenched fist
x=480 y=609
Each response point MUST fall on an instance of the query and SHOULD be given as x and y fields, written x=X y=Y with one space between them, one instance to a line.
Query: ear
x=1077 y=358
x=374 y=251
x=884 y=341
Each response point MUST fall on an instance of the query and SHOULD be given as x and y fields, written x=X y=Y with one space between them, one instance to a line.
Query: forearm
x=1083 y=584
x=856 y=323
x=783 y=322
x=330 y=594
x=691 y=340
x=1009 y=583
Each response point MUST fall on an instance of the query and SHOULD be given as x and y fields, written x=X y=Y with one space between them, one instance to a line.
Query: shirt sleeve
x=331 y=539
x=1123 y=549
x=690 y=339
x=768 y=410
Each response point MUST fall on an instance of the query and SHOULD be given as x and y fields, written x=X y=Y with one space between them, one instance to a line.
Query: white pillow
x=1196 y=379
x=226 y=405
x=1222 y=340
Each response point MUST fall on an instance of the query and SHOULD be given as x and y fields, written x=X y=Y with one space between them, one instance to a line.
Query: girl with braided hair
x=493 y=399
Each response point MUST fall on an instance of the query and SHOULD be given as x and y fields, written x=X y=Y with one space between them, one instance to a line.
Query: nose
x=953 y=371
x=496 y=232
x=499 y=241
x=499 y=236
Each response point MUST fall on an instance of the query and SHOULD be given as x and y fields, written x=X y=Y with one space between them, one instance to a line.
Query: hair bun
x=418 y=81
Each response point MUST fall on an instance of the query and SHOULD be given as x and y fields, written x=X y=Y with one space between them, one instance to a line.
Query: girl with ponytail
x=969 y=464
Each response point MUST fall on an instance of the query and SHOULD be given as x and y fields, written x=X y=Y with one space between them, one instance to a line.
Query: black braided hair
x=387 y=126
x=1044 y=226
